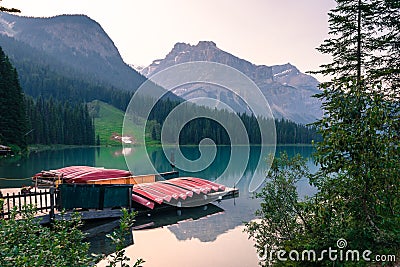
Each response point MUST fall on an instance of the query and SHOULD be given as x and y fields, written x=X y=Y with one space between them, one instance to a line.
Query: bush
x=24 y=242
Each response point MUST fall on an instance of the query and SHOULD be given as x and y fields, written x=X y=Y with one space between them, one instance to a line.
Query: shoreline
x=40 y=148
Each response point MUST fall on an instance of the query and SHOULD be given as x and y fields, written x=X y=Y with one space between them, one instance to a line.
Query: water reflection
x=236 y=211
x=167 y=217
x=24 y=167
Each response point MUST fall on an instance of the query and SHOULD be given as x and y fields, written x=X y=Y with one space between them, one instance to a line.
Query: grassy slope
x=109 y=120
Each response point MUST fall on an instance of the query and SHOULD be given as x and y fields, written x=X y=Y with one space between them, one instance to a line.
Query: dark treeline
x=287 y=132
x=24 y=120
x=12 y=109
x=200 y=127
x=68 y=90
x=55 y=122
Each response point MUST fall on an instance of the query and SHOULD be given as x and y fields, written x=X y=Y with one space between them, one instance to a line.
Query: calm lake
x=211 y=235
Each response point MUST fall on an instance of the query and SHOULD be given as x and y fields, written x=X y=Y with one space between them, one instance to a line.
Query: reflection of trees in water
x=237 y=210
x=222 y=158
x=207 y=229
x=35 y=162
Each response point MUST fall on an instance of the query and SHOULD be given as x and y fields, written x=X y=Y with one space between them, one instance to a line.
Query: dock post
x=130 y=199
x=52 y=193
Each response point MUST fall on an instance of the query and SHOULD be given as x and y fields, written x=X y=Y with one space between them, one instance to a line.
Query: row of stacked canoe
x=180 y=192
x=80 y=174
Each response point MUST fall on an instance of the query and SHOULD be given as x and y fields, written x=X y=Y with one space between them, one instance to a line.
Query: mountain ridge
x=76 y=41
x=288 y=91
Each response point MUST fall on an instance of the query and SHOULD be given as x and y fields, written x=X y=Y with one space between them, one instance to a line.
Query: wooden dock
x=43 y=199
x=116 y=213
x=48 y=203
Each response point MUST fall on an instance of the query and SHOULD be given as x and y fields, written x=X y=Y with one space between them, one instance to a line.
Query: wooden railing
x=44 y=201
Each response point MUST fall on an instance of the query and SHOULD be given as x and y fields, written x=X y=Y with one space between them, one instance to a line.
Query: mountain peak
x=206 y=44
x=205 y=51
x=181 y=46
x=286 y=88
x=201 y=45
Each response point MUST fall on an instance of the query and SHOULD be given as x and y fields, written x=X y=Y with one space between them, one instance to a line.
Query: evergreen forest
x=46 y=104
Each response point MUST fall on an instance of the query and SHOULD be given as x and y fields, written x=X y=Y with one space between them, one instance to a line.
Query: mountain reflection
x=238 y=210
x=205 y=224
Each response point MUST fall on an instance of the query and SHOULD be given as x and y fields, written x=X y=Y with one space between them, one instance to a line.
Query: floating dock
x=101 y=193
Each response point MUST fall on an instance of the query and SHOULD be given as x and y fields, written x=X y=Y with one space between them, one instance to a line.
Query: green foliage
x=24 y=242
x=364 y=42
x=283 y=217
x=359 y=155
x=12 y=110
x=359 y=176
x=55 y=122
x=316 y=223
x=108 y=120
x=118 y=238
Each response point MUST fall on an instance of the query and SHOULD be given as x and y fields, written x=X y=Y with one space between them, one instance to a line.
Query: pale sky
x=264 y=32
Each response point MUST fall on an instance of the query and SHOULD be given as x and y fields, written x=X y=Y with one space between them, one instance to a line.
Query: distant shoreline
x=40 y=148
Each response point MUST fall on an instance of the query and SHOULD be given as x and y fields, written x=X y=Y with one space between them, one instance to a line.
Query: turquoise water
x=217 y=226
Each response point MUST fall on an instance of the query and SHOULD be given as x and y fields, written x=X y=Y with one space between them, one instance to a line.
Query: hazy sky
x=264 y=32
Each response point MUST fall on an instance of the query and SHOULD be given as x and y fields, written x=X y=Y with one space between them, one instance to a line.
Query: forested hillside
x=55 y=122
x=70 y=41
x=56 y=113
x=287 y=132
x=42 y=75
x=12 y=109
x=24 y=120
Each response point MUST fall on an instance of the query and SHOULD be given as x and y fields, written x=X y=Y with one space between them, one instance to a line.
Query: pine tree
x=360 y=151
x=13 y=123
x=97 y=140
x=359 y=155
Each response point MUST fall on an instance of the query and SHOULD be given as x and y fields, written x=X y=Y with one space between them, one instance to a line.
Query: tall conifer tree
x=12 y=109
x=359 y=156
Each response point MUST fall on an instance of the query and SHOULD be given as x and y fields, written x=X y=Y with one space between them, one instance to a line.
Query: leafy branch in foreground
x=118 y=238
x=24 y=242
x=282 y=217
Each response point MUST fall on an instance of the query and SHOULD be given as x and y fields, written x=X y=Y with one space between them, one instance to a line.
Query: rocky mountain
x=288 y=91
x=73 y=44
